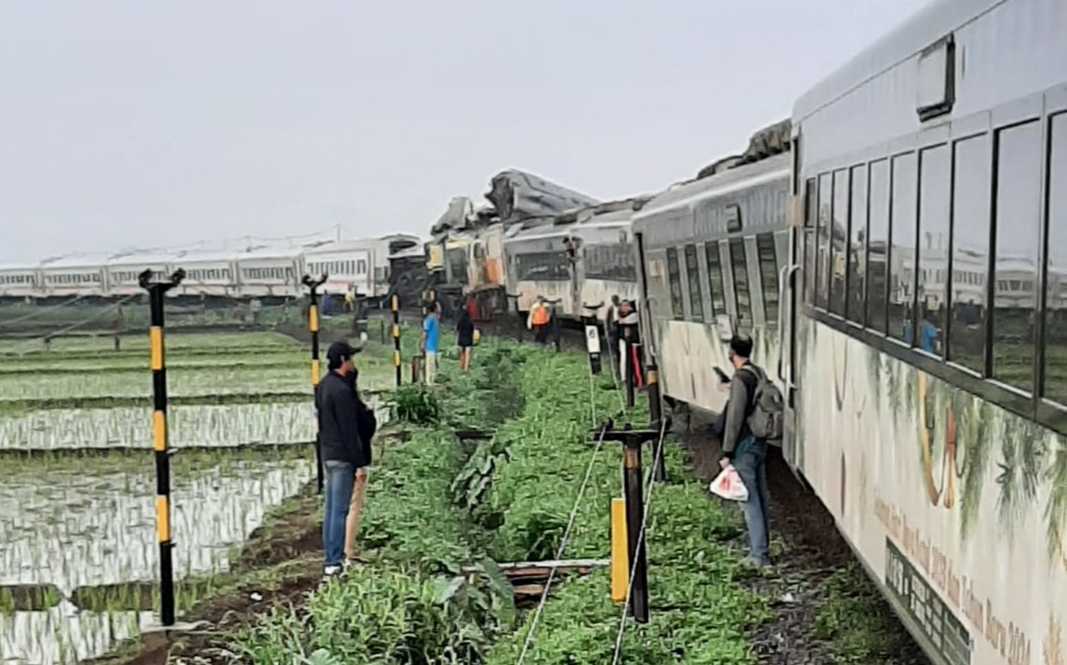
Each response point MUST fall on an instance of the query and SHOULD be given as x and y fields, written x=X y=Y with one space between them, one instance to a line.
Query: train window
x=1018 y=223
x=613 y=262
x=716 y=284
x=768 y=267
x=739 y=268
x=822 y=267
x=857 y=244
x=878 y=246
x=696 y=287
x=935 y=179
x=674 y=276
x=1056 y=262
x=534 y=266
x=970 y=252
x=902 y=231
x=810 y=209
x=838 y=240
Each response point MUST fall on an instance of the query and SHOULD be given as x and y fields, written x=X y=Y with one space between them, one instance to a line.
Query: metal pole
x=655 y=416
x=635 y=513
x=316 y=372
x=394 y=303
x=627 y=339
x=160 y=438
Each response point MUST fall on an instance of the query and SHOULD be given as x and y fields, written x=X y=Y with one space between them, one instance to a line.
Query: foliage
x=417 y=405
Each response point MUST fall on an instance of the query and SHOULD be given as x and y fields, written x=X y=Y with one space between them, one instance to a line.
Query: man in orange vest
x=540 y=315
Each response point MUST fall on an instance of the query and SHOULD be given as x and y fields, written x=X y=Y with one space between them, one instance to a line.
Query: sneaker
x=755 y=563
x=330 y=572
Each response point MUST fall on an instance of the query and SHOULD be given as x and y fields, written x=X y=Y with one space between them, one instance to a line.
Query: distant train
x=361 y=266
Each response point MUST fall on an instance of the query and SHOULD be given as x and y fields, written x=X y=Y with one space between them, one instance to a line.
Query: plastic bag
x=728 y=485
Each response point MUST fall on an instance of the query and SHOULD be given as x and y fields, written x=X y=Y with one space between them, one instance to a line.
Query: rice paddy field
x=78 y=549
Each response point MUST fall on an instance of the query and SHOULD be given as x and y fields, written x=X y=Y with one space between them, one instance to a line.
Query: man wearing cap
x=342 y=450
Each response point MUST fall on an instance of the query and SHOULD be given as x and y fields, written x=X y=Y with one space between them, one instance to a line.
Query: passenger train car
x=583 y=257
x=910 y=301
x=273 y=272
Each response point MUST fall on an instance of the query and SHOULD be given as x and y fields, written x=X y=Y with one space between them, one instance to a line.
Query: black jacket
x=738 y=409
x=338 y=414
x=368 y=422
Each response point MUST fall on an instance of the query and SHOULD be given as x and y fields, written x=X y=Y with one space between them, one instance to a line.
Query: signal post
x=316 y=371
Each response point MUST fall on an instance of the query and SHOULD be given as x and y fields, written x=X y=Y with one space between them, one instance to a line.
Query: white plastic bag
x=728 y=485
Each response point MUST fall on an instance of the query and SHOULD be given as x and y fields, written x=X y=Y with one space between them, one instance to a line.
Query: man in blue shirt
x=429 y=343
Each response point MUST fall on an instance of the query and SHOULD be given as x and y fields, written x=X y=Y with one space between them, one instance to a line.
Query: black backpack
x=768 y=407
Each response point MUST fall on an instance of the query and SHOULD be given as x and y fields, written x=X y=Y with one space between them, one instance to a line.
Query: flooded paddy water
x=77 y=523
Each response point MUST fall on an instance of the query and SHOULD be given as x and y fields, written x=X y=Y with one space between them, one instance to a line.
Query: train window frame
x=883 y=167
x=694 y=282
x=899 y=212
x=857 y=300
x=993 y=279
x=808 y=240
x=763 y=240
x=822 y=267
x=838 y=196
x=1056 y=127
x=922 y=276
x=674 y=280
x=715 y=271
x=741 y=323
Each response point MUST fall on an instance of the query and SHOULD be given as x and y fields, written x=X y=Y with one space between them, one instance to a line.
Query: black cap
x=338 y=353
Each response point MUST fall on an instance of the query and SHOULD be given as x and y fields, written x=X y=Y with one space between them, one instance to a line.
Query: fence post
x=655 y=417
x=160 y=439
x=633 y=493
x=514 y=297
x=394 y=303
x=313 y=327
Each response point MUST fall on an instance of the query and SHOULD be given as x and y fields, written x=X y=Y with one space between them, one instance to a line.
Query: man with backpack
x=753 y=417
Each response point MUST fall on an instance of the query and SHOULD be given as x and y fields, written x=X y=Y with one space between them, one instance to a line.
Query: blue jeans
x=751 y=465
x=340 y=478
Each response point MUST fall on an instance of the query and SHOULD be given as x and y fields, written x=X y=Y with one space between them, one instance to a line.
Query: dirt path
x=814 y=551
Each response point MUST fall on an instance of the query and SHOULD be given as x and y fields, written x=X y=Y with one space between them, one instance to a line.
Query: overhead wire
x=62 y=331
x=42 y=310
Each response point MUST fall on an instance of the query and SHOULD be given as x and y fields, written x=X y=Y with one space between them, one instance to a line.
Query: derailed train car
x=579 y=258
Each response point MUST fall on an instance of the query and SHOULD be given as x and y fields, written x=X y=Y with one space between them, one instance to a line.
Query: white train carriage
x=270 y=272
x=941 y=455
x=711 y=252
x=348 y=265
x=20 y=281
x=583 y=257
x=73 y=275
x=206 y=274
x=122 y=272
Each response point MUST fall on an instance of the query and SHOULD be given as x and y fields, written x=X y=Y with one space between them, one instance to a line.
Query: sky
x=132 y=124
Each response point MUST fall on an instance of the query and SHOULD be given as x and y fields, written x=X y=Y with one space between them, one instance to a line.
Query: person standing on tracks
x=465 y=339
x=540 y=317
x=431 y=334
x=368 y=425
x=342 y=450
x=745 y=451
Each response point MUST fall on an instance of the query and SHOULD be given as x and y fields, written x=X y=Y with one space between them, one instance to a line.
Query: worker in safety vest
x=539 y=318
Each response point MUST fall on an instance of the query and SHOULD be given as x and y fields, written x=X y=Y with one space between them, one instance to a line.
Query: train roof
x=922 y=29
x=517 y=195
x=135 y=258
x=739 y=177
x=19 y=267
x=271 y=252
x=78 y=260
x=610 y=213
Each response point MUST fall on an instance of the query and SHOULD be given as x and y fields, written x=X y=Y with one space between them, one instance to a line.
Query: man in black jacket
x=342 y=450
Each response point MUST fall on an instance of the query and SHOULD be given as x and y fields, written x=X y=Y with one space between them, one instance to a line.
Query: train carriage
x=122 y=272
x=271 y=272
x=710 y=253
x=19 y=281
x=927 y=379
x=207 y=274
x=74 y=275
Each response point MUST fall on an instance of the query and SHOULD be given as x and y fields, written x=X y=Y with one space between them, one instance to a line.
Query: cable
x=640 y=541
x=40 y=311
x=63 y=331
x=562 y=546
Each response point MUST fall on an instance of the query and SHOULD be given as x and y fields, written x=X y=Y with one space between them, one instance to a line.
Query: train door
x=788 y=314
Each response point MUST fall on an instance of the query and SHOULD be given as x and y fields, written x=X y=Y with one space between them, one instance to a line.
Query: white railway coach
x=359 y=264
x=711 y=252
x=73 y=275
x=122 y=272
x=19 y=281
x=270 y=272
x=206 y=274
x=582 y=257
x=925 y=341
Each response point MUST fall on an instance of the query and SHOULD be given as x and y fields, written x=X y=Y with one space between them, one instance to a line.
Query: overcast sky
x=132 y=123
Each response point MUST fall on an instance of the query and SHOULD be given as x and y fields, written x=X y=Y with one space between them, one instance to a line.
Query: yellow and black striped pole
x=394 y=304
x=316 y=372
x=160 y=443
